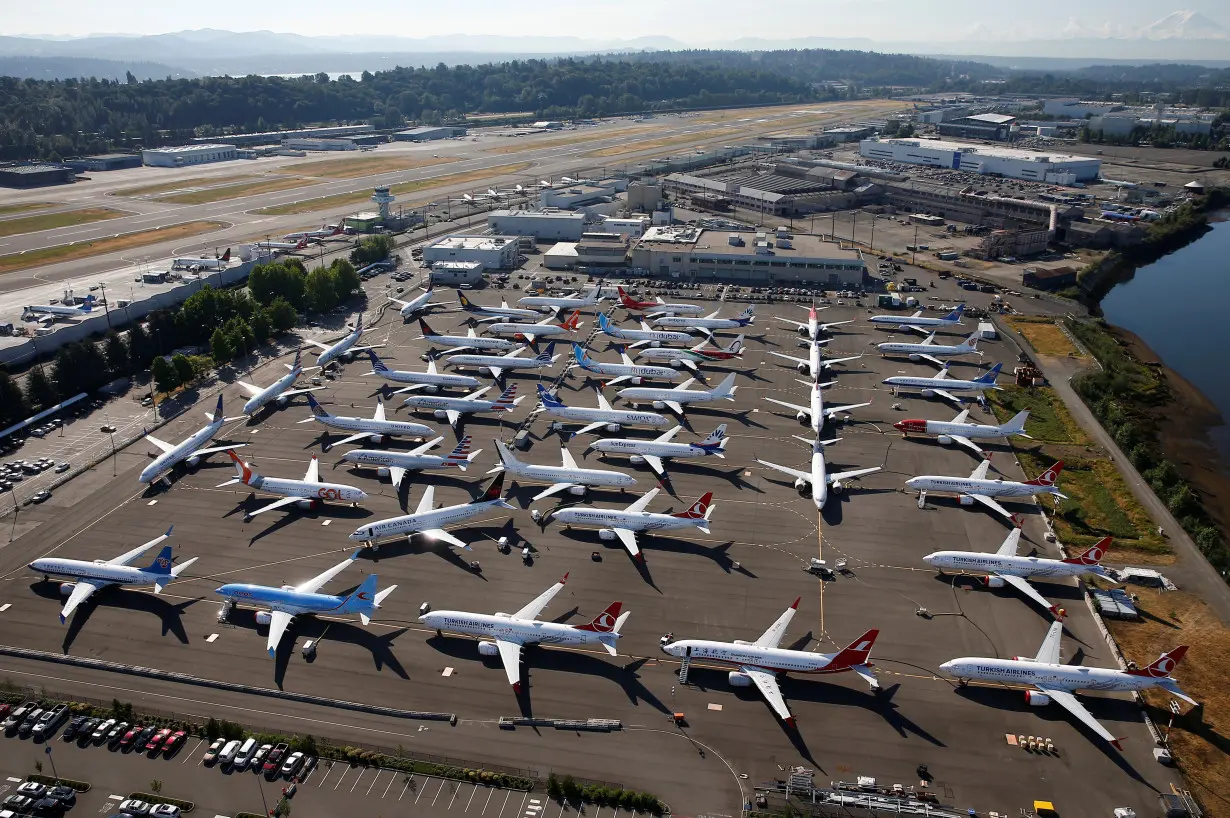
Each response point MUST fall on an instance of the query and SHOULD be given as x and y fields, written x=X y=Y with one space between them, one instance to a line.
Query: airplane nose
x=362 y=496
x=899 y=425
x=947 y=666
x=929 y=559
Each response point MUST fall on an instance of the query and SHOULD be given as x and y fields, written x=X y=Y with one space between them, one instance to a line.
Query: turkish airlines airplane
x=430 y=381
x=626 y=371
x=430 y=521
x=288 y=601
x=496 y=364
x=642 y=336
x=569 y=302
x=978 y=489
x=568 y=477
x=945 y=386
x=964 y=434
x=693 y=356
x=661 y=306
x=655 y=452
x=470 y=340
x=1049 y=681
x=623 y=524
x=189 y=451
x=1004 y=566
x=279 y=391
x=343 y=348
x=306 y=493
x=605 y=415
x=375 y=428
x=675 y=399
x=452 y=409
x=89 y=576
x=531 y=332
x=759 y=662
x=815 y=364
x=816 y=414
x=504 y=634
x=819 y=479
x=928 y=350
x=394 y=465
x=812 y=329
x=500 y=313
x=918 y=320
x=709 y=322
x=420 y=303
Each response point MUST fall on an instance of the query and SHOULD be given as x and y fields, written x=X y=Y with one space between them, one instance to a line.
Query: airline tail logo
x=297 y=366
x=1048 y=477
x=603 y=321
x=494 y=490
x=697 y=510
x=317 y=409
x=465 y=302
x=956 y=314
x=573 y=322
x=218 y=416
x=715 y=438
x=226 y=256
x=506 y=398
x=245 y=473
x=545 y=357
x=548 y=400
x=1093 y=556
x=604 y=622
x=377 y=364
x=747 y=315
x=736 y=346
x=970 y=342
x=989 y=377
x=358 y=325
x=161 y=563
x=857 y=652
x=427 y=331
x=460 y=454
x=1165 y=664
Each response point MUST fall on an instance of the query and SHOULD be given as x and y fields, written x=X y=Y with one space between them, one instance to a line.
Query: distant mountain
x=1185 y=25
x=58 y=68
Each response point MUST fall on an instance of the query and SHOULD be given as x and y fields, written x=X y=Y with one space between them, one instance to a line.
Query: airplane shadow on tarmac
x=292 y=514
x=1066 y=596
x=112 y=597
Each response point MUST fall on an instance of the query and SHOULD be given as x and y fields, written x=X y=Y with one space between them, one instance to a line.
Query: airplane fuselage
x=516 y=328
x=499 y=344
x=270 y=392
x=774 y=660
x=633 y=447
x=658 y=336
x=168 y=460
x=680 y=396
x=560 y=302
x=968 y=485
x=946 y=384
x=934 y=350
x=429 y=379
x=563 y=474
x=973 y=431
x=442 y=404
x=285 y=487
x=519 y=631
x=338 y=350
x=915 y=321
x=1024 y=567
x=375 y=427
x=622 y=417
x=700 y=323
x=412 y=523
x=631 y=520
x=401 y=460
x=497 y=361
x=285 y=600
x=98 y=572
x=662 y=373
x=1030 y=673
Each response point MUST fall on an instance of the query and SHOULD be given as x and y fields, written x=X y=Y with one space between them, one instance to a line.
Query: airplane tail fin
x=161 y=563
x=505 y=454
x=317 y=409
x=748 y=314
x=549 y=401
x=217 y=413
x=578 y=352
x=463 y=301
x=624 y=299
x=460 y=456
x=1048 y=477
x=547 y=355
x=1016 y=426
x=426 y=330
x=243 y=472
x=857 y=652
x=507 y=399
x=364 y=600
x=1094 y=555
x=696 y=511
x=716 y=438
x=955 y=315
x=1164 y=666
x=605 y=622
x=226 y=256
x=726 y=389
x=736 y=346
x=573 y=321
x=494 y=489
x=990 y=376
x=971 y=342
x=377 y=364
x=358 y=325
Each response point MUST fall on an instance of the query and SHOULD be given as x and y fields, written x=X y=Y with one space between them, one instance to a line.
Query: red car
x=174 y=742
x=130 y=737
x=273 y=761
x=156 y=740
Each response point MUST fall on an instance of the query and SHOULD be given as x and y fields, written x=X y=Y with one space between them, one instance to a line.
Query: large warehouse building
x=492 y=252
x=996 y=127
x=555 y=225
x=1055 y=168
x=16 y=174
x=429 y=133
x=103 y=162
x=184 y=155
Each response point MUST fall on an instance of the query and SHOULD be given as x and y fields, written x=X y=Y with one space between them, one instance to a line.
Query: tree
x=166 y=376
x=183 y=368
x=319 y=291
x=282 y=316
x=220 y=347
x=261 y=328
x=140 y=348
x=371 y=249
x=13 y=406
x=284 y=279
x=117 y=354
x=345 y=279
x=40 y=393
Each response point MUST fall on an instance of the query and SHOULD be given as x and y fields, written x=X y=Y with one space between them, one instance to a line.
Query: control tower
x=383 y=199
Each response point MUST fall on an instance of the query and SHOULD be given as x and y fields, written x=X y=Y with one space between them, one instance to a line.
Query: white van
x=244 y=757
x=227 y=756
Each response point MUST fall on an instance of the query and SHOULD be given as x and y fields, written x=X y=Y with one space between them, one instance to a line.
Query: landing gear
x=922 y=499
x=962 y=682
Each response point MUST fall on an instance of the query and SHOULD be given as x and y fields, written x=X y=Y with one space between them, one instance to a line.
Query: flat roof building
x=456 y=272
x=274 y=137
x=705 y=254
x=36 y=175
x=558 y=225
x=106 y=161
x=575 y=195
x=429 y=133
x=996 y=127
x=492 y=252
x=318 y=143
x=1036 y=166
x=184 y=155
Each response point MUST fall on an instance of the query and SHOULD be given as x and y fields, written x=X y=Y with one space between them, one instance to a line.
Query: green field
x=85 y=249
x=22 y=208
x=218 y=194
x=1049 y=420
x=50 y=221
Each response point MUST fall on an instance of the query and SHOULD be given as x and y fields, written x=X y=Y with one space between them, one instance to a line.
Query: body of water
x=1175 y=306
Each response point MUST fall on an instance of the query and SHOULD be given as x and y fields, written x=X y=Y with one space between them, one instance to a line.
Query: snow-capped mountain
x=1184 y=25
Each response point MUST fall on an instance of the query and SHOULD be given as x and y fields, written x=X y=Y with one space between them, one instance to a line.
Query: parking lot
x=731 y=584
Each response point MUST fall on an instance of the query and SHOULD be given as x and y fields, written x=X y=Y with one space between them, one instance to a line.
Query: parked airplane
x=278 y=391
x=420 y=303
x=60 y=311
x=928 y=350
x=507 y=633
x=1004 y=566
x=660 y=305
x=325 y=232
x=945 y=386
x=496 y=364
x=1048 y=680
x=917 y=320
x=344 y=348
x=283 y=246
x=568 y=477
x=532 y=332
x=977 y=488
x=964 y=434
x=375 y=428
x=623 y=524
x=288 y=601
x=815 y=364
x=691 y=357
x=468 y=341
x=655 y=452
x=500 y=313
x=819 y=479
x=759 y=662
x=430 y=521
x=394 y=465
x=812 y=329
x=709 y=322
x=451 y=409
x=203 y=264
x=613 y=419
x=89 y=576
x=626 y=371
x=189 y=451
x=817 y=414
x=555 y=303
x=429 y=381
x=305 y=493
x=642 y=336
x=675 y=399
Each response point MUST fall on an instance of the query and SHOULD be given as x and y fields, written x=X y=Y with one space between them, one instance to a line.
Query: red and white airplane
x=306 y=493
x=661 y=306
x=325 y=232
x=978 y=489
x=813 y=329
x=759 y=662
x=283 y=246
x=531 y=332
x=959 y=431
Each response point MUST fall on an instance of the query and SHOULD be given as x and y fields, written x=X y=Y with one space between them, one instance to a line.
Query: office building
x=492 y=252
x=1035 y=166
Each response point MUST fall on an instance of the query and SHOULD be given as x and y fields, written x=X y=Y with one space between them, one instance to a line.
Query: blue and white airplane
x=500 y=313
x=496 y=364
x=431 y=380
x=289 y=601
x=626 y=371
x=189 y=451
x=279 y=390
x=642 y=336
x=709 y=322
x=343 y=348
x=945 y=386
x=90 y=575
x=654 y=452
x=420 y=303
x=58 y=311
x=918 y=321
x=605 y=415
x=375 y=428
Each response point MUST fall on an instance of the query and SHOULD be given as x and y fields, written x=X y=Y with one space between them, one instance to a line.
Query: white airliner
x=189 y=451
x=815 y=364
x=918 y=320
x=430 y=521
x=504 y=634
x=660 y=306
x=945 y=386
x=89 y=576
x=394 y=465
x=451 y=409
x=812 y=329
x=468 y=341
x=605 y=415
x=278 y=391
x=568 y=477
x=759 y=662
x=211 y=264
x=497 y=364
x=375 y=428
x=964 y=434
x=1004 y=566
x=928 y=350
x=678 y=397
x=420 y=303
x=623 y=524
x=288 y=601
x=283 y=246
x=500 y=313
x=1047 y=680
x=344 y=347
x=545 y=328
x=565 y=302
x=819 y=479
x=698 y=354
x=305 y=493
x=709 y=322
x=642 y=336
x=626 y=371
x=324 y=232
x=60 y=311
x=655 y=452
x=817 y=414
x=977 y=488
x=430 y=381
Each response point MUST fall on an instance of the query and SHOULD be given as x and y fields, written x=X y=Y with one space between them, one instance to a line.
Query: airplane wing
x=425 y=502
x=316 y=343
x=313 y=472
x=591 y=427
x=350 y=439
x=1068 y=702
x=434 y=534
x=366 y=347
x=216 y=449
x=642 y=503
x=290 y=393
x=252 y=391
x=496 y=372
x=689 y=364
x=980 y=473
x=510 y=656
x=316 y=583
x=772 y=637
x=835 y=324
x=1027 y=589
x=1010 y=544
x=628 y=538
x=654 y=462
x=675 y=406
x=453 y=416
x=666 y=437
x=790 y=358
x=379 y=413
x=619 y=379
x=396 y=475
x=81 y=592
x=931 y=358
x=128 y=556
x=833 y=477
x=969 y=444
x=948 y=396
x=831 y=361
x=991 y=504
x=540 y=602
x=799 y=324
x=1048 y=653
x=832 y=411
x=285 y=501
x=166 y=447
x=793 y=406
x=279 y=621
x=767 y=684
x=802 y=475
x=961 y=416
x=555 y=489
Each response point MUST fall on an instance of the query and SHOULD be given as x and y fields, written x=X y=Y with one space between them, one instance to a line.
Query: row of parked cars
x=39 y=800
x=271 y=760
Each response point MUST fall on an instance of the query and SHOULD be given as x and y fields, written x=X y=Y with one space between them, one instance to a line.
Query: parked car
x=50 y=721
x=291 y=766
x=70 y=732
x=309 y=764
x=27 y=726
x=16 y=717
x=65 y=795
x=87 y=730
x=273 y=761
x=48 y=808
x=117 y=733
x=130 y=738
x=155 y=741
x=164 y=811
x=18 y=804
x=32 y=789
x=258 y=758
x=174 y=742
x=211 y=755
x=41 y=497
x=102 y=731
x=135 y=806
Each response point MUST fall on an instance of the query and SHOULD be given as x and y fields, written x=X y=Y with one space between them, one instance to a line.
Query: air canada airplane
x=504 y=634
x=759 y=662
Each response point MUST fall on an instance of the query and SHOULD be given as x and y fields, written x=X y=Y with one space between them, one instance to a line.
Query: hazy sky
x=692 y=21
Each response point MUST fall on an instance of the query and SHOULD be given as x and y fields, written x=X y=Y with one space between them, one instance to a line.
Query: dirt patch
x=664 y=142
x=219 y=194
x=50 y=221
x=520 y=145
x=72 y=252
x=1045 y=337
x=170 y=187
x=6 y=210
x=366 y=166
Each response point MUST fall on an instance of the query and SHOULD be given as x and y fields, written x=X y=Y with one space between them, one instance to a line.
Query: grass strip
x=50 y=221
x=85 y=249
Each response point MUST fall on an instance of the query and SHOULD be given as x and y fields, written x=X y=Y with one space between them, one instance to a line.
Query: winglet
x=795 y=605
x=565 y=578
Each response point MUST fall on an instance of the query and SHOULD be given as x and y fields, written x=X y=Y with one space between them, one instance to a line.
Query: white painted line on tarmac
x=13 y=780
x=328 y=772
x=507 y=793
x=357 y=780
x=211 y=637
x=343 y=778
x=455 y=788
x=374 y=780
x=472 y=792
x=392 y=778
x=490 y=792
x=112 y=797
x=437 y=795
x=403 y=789
x=5 y=606
x=188 y=754
x=523 y=798
x=421 y=790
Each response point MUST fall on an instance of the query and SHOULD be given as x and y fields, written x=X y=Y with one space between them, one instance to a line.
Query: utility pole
x=914 y=252
x=875 y=218
x=106 y=306
x=854 y=228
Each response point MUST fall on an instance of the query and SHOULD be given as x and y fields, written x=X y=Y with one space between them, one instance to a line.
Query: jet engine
x=1035 y=699
x=66 y=588
x=193 y=462
x=928 y=393
x=637 y=380
x=377 y=438
x=578 y=491
x=636 y=459
x=802 y=417
x=655 y=344
x=803 y=368
x=945 y=440
x=613 y=427
x=914 y=356
x=486 y=648
x=800 y=485
x=263 y=617
x=738 y=679
x=383 y=471
x=440 y=414
x=803 y=331
x=305 y=504
x=283 y=400
x=433 y=389
x=607 y=534
x=993 y=582
x=966 y=500
x=659 y=404
x=836 y=487
x=675 y=362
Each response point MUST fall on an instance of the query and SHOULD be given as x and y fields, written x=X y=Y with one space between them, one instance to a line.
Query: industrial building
x=1122 y=124
x=106 y=161
x=576 y=195
x=1034 y=166
x=185 y=155
x=1073 y=108
x=318 y=143
x=429 y=133
x=453 y=273
x=924 y=196
x=633 y=227
x=275 y=137
x=995 y=127
x=492 y=252
x=37 y=175
x=786 y=189
x=556 y=225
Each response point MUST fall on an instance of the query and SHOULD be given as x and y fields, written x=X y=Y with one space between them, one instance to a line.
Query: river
x=1172 y=305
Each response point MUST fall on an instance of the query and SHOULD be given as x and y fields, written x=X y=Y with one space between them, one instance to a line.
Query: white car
x=135 y=806
x=164 y=811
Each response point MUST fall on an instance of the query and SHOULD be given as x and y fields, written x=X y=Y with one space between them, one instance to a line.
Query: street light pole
x=106 y=306
x=50 y=758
